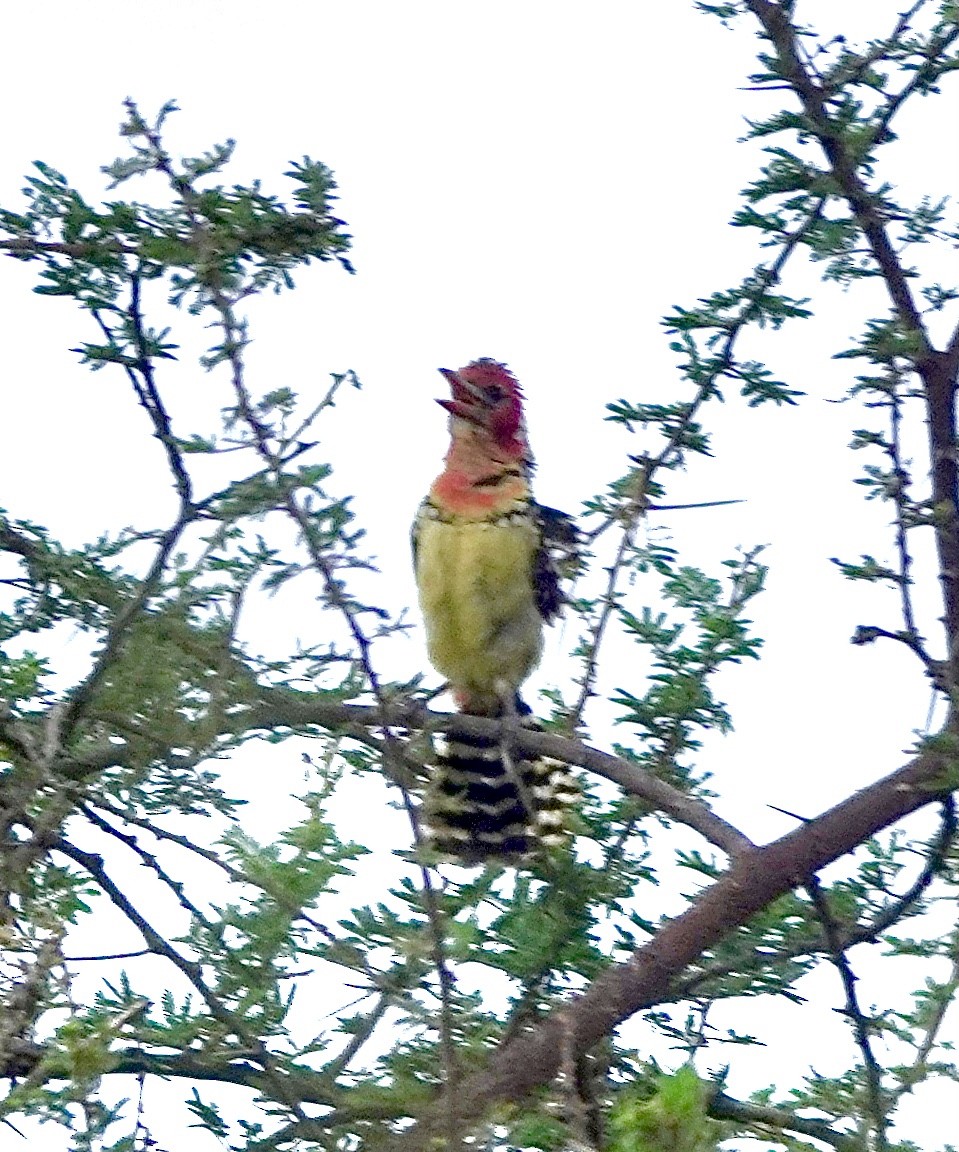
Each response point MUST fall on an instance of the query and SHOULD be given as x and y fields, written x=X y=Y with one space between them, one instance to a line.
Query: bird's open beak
x=464 y=401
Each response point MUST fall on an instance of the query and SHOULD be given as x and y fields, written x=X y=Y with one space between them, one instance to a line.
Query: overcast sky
x=536 y=182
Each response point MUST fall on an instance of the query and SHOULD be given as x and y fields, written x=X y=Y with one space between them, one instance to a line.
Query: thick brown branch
x=753 y=882
x=939 y=378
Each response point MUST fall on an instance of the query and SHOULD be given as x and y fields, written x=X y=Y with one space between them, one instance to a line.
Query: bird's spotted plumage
x=485 y=555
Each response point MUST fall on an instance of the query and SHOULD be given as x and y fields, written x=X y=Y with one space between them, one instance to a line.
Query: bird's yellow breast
x=475 y=578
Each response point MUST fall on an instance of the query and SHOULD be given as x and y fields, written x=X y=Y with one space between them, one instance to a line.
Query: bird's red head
x=487 y=395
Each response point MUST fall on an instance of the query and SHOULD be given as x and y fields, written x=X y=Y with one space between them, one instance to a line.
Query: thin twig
x=93 y=863
x=860 y=1024
x=945 y=1000
x=82 y=250
x=176 y=886
x=901 y=501
x=109 y=956
x=360 y=1036
x=147 y=393
x=208 y=854
x=445 y=976
x=61 y=721
x=921 y=77
x=638 y=505
x=851 y=71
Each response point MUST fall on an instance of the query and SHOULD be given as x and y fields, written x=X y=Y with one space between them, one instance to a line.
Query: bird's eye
x=494 y=392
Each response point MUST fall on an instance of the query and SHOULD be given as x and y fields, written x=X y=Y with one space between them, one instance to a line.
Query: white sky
x=537 y=182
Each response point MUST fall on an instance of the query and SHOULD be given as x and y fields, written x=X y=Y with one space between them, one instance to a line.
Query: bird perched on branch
x=487 y=558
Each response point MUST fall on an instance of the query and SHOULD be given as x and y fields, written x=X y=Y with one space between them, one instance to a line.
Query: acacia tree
x=132 y=755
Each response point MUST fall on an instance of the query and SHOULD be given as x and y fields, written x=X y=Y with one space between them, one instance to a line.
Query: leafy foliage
x=435 y=984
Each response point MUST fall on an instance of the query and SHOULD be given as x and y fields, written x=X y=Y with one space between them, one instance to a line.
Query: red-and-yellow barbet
x=486 y=557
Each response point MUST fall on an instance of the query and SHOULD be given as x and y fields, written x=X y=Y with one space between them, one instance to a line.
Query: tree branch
x=860 y=1025
x=754 y=881
x=235 y=1023
x=723 y=1107
x=782 y=34
x=937 y=369
x=278 y=708
x=638 y=504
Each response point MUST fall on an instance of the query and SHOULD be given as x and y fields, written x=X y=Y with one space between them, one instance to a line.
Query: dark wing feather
x=558 y=557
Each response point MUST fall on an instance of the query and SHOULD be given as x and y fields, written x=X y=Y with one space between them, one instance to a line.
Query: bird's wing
x=558 y=558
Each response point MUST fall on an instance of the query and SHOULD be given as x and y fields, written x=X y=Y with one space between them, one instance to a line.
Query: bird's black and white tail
x=485 y=802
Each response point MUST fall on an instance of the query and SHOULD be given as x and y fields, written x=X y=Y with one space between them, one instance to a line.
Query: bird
x=487 y=559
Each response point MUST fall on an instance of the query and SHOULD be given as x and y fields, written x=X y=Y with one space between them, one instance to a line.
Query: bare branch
x=778 y=1120
x=280 y=708
x=177 y=887
x=297 y=709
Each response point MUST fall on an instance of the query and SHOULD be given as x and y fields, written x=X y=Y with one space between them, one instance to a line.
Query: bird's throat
x=479 y=493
